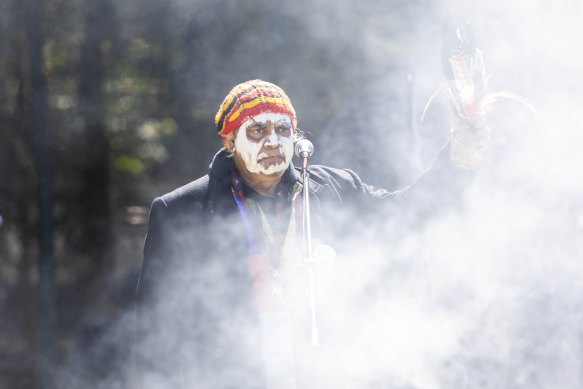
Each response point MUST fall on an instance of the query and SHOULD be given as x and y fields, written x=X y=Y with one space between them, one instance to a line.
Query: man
x=221 y=296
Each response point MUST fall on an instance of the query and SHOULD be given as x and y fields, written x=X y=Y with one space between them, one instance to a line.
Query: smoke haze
x=482 y=294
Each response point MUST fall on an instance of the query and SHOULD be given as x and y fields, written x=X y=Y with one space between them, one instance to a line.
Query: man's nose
x=271 y=139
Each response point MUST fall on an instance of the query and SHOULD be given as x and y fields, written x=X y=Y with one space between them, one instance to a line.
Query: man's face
x=264 y=143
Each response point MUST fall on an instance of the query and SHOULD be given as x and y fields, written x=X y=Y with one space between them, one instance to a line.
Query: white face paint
x=252 y=152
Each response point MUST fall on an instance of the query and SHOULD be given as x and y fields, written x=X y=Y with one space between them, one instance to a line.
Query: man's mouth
x=272 y=159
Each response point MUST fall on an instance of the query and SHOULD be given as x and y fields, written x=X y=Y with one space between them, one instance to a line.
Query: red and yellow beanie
x=249 y=99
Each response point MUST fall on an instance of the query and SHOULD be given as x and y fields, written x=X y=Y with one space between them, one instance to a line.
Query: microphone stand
x=307 y=247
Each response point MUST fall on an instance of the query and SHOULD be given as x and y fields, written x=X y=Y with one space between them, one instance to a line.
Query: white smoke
x=485 y=294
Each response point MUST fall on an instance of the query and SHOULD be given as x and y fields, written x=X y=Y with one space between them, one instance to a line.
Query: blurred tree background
x=106 y=104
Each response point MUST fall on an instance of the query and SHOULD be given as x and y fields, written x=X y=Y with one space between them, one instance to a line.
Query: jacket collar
x=221 y=166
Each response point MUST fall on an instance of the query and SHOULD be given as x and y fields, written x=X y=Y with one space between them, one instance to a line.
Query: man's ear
x=229 y=143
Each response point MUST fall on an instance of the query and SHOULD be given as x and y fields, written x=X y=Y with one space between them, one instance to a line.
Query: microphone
x=304 y=148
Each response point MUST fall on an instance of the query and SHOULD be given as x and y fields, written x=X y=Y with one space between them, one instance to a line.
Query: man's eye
x=283 y=129
x=257 y=130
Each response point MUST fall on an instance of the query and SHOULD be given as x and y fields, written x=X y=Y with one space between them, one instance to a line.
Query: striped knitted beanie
x=249 y=99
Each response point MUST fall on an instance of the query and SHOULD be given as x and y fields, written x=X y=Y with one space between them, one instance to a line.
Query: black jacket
x=197 y=326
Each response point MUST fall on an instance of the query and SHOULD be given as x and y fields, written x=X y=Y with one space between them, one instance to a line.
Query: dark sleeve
x=438 y=188
x=153 y=354
x=155 y=249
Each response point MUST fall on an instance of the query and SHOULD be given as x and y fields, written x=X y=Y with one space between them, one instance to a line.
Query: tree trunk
x=94 y=198
x=46 y=320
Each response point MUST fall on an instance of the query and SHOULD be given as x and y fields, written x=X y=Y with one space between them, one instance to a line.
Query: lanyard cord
x=262 y=237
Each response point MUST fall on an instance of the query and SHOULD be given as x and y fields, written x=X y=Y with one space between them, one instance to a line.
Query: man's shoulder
x=194 y=192
x=330 y=175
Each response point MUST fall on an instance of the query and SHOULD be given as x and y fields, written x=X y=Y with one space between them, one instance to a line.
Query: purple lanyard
x=257 y=242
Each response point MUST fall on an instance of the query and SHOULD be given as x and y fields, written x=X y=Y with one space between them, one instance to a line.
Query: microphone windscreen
x=304 y=148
